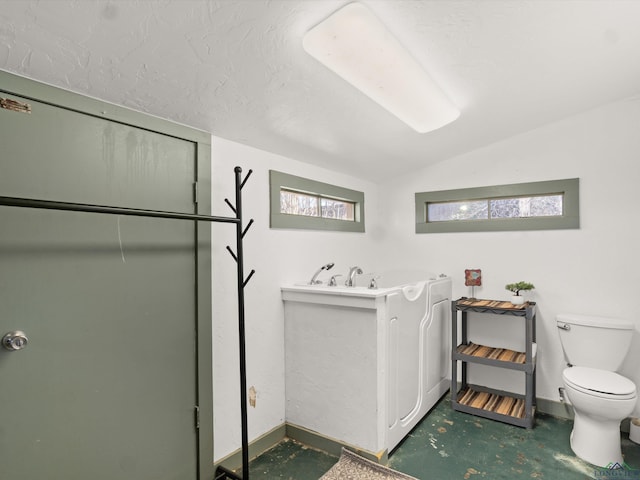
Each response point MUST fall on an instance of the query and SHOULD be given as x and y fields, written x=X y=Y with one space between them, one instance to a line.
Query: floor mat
x=354 y=467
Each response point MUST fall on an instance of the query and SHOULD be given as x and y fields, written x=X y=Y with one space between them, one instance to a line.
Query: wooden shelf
x=493 y=306
x=495 y=405
x=492 y=353
x=507 y=405
x=497 y=357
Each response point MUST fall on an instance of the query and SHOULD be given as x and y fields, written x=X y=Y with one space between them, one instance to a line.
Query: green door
x=106 y=386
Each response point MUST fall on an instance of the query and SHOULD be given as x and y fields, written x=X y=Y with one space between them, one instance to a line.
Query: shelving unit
x=483 y=401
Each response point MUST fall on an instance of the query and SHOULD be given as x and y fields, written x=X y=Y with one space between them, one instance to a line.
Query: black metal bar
x=241 y=330
x=246 y=178
x=244 y=232
x=232 y=253
x=89 y=208
x=226 y=200
x=248 y=278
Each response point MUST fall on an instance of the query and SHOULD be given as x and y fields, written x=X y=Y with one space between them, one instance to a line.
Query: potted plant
x=516 y=288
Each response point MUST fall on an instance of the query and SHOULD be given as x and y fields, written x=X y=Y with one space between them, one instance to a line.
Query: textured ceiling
x=236 y=68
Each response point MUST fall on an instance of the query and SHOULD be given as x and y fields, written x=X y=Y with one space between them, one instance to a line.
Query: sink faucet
x=313 y=280
x=353 y=271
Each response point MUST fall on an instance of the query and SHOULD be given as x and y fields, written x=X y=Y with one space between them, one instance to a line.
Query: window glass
x=541 y=206
x=298 y=203
x=303 y=203
x=545 y=205
x=338 y=209
x=294 y=203
x=444 y=212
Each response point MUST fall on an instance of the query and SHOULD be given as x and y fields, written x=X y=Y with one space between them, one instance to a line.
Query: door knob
x=15 y=340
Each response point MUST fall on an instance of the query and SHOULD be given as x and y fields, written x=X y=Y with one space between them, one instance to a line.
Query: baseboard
x=233 y=461
x=554 y=408
x=334 y=447
x=331 y=445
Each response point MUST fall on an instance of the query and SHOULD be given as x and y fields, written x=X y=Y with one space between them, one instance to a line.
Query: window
x=312 y=205
x=301 y=203
x=523 y=206
x=490 y=208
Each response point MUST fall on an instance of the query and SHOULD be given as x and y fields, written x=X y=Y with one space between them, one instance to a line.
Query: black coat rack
x=221 y=472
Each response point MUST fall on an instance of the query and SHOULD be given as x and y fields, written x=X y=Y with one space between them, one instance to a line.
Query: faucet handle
x=373 y=284
x=332 y=280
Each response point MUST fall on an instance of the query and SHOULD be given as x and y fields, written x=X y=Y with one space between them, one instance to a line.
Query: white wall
x=279 y=257
x=592 y=270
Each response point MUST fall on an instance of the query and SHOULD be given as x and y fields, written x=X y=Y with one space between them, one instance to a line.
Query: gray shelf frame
x=528 y=368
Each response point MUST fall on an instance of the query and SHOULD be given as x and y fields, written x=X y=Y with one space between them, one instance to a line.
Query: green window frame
x=283 y=181
x=568 y=188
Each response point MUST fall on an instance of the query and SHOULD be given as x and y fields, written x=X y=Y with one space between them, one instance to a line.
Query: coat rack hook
x=248 y=278
x=244 y=232
x=226 y=200
x=232 y=254
x=246 y=178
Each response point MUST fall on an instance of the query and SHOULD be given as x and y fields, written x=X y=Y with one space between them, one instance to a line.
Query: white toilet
x=595 y=348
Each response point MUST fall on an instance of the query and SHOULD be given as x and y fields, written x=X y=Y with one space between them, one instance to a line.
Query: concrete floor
x=455 y=445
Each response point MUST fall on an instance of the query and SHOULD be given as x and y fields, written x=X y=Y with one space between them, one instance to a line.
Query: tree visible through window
x=519 y=207
x=546 y=205
x=306 y=204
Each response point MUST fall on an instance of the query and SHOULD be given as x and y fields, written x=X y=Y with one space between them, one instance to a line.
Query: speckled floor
x=455 y=445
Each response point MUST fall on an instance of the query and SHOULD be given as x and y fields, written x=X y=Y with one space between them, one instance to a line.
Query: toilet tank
x=596 y=342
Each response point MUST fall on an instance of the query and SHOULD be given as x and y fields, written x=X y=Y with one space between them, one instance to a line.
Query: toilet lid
x=599 y=381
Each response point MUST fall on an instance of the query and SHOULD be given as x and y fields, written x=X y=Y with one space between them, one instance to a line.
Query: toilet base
x=596 y=442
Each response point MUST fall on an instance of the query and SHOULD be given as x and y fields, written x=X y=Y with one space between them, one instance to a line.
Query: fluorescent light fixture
x=355 y=45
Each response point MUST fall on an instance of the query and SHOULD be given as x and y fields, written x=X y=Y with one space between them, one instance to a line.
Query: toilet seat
x=599 y=383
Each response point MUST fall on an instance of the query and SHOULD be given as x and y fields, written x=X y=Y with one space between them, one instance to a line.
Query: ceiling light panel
x=355 y=45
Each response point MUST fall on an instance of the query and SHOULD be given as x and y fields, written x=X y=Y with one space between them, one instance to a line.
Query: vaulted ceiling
x=237 y=68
